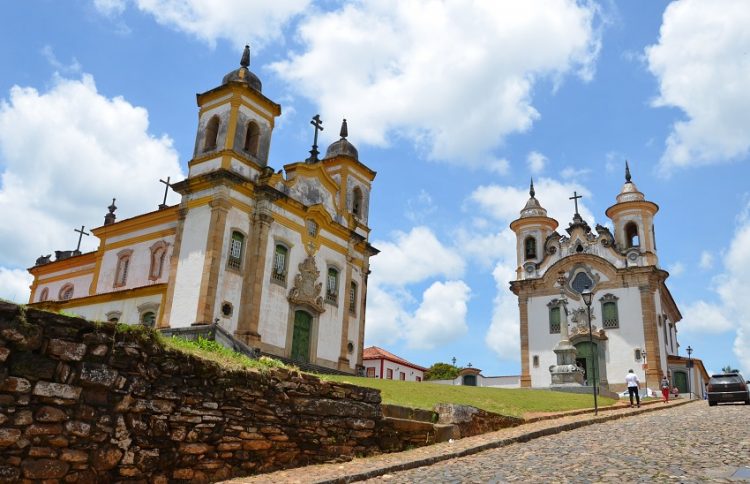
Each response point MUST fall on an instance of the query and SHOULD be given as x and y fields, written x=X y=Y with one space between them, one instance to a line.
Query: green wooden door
x=301 y=336
x=586 y=357
x=680 y=381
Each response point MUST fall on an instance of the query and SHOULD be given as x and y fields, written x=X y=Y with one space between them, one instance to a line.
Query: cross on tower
x=167 y=186
x=318 y=125
x=80 y=236
x=575 y=198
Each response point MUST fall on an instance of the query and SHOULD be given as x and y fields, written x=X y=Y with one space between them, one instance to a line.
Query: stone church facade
x=278 y=258
x=633 y=315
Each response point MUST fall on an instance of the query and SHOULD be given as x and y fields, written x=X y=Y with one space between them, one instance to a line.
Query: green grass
x=213 y=351
x=505 y=401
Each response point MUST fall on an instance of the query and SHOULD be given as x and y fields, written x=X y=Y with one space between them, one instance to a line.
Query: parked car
x=728 y=387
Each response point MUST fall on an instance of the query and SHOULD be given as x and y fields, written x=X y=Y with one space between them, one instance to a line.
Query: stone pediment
x=306 y=289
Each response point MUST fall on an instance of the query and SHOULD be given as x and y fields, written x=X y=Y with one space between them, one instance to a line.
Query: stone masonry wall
x=83 y=402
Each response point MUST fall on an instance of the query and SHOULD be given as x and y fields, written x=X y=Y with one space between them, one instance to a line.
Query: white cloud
x=73 y=68
x=238 y=21
x=414 y=257
x=14 y=285
x=384 y=317
x=677 y=269
x=487 y=248
x=64 y=154
x=453 y=77
x=504 y=203
x=536 y=162
x=419 y=208
x=502 y=336
x=732 y=287
x=570 y=172
x=700 y=62
x=441 y=318
x=501 y=166
x=707 y=260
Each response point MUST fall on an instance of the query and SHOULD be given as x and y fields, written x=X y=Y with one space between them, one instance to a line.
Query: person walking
x=665 y=388
x=631 y=379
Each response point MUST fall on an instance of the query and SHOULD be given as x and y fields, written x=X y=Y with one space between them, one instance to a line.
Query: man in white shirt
x=631 y=379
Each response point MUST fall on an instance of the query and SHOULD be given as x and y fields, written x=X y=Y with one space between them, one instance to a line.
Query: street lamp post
x=645 y=370
x=690 y=368
x=587 y=295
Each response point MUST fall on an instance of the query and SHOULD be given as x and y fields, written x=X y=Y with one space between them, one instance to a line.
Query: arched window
x=158 y=256
x=113 y=316
x=66 y=292
x=529 y=248
x=332 y=285
x=148 y=319
x=44 y=295
x=212 y=132
x=610 y=316
x=353 y=298
x=236 y=245
x=357 y=202
x=554 y=319
x=280 y=261
x=631 y=235
x=123 y=264
x=252 y=138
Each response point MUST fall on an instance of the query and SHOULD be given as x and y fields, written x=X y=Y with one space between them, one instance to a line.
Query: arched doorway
x=585 y=354
x=470 y=380
x=301 y=336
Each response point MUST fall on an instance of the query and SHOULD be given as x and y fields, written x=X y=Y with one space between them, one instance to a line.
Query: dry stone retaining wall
x=83 y=402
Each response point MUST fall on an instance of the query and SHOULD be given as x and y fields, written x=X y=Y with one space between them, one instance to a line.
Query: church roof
x=342 y=147
x=629 y=192
x=376 y=353
x=243 y=74
x=532 y=207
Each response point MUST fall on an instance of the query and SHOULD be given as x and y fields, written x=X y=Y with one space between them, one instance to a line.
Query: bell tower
x=633 y=220
x=532 y=229
x=235 y=123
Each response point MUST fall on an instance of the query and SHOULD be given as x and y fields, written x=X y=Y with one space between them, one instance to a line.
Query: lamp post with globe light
x=690 y=368
x=587 y=296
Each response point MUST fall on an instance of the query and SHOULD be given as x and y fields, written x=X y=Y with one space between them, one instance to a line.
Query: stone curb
x=425 y=461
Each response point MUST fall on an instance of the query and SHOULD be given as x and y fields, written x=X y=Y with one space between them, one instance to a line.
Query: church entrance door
x=680 y=381
x=470 y=380
x=301 y=336
x=585 y=359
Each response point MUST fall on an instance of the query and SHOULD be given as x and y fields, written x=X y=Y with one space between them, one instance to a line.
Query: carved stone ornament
x=306 y=289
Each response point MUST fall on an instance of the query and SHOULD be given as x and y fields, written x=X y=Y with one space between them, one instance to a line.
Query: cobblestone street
x=689 y=443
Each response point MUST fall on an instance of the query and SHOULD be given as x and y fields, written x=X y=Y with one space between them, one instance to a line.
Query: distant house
x=383 y=364
x=473 y=377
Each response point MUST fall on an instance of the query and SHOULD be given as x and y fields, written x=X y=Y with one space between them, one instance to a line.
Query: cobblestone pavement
x=689 y=443
x=678 y=442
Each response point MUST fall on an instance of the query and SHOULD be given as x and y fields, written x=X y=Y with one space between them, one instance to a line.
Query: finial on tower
x=531 y=188
x=110 y=217
x=344 y=130
x=627 y=172
x=245 y=61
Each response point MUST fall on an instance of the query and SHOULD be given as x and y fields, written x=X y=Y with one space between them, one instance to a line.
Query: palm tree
x=729 y=369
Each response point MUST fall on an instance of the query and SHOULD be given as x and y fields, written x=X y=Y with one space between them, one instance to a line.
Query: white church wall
x=81 y=285
x=331 y=321
x=205 y=166
x=138 y=267
x=128 y=309
x=242 y=168
x=662 y=340
x=190 y=267
x=229 y=284
x=541 y=342
x=623 y=341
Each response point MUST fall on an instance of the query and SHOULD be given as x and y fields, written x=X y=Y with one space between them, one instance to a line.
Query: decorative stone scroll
x=306 y=289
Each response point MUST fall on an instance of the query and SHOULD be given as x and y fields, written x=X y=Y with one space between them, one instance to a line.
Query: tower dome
x=532 y=207
x=342 y=147
x=243 y=74
x=629 y=192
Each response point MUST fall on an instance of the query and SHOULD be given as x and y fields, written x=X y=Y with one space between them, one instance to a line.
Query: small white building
x=473 y=377
x=633 y=315
x=383 y=364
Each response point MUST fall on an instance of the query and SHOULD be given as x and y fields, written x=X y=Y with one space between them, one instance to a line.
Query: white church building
x=277 y=258
x=633 y=315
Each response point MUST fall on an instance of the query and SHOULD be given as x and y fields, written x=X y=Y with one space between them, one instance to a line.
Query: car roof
x=720 y=375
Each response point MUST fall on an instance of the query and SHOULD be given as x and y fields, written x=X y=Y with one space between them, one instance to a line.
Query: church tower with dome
x=633 y=315
x=276 y=258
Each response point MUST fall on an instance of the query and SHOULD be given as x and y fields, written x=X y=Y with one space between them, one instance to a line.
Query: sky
x=455 y=105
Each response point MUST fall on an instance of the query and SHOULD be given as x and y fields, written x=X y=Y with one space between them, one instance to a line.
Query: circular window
x=581 y=281
x=226 y=309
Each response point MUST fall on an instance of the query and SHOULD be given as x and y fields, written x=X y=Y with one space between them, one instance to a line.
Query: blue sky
x=455 y=104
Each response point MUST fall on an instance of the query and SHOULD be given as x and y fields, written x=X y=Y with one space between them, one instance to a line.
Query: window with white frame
x=280 y=261
x=236 y=246
x=332 y=285
x=610 y=315
x=123 y=267
x=353 y=297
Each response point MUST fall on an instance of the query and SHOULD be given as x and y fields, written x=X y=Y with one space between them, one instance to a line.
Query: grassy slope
x=505 y=401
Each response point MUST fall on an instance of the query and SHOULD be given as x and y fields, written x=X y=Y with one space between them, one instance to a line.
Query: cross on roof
x=318 y=125
x=575 y=198
x=167 y=186
x=80 y=236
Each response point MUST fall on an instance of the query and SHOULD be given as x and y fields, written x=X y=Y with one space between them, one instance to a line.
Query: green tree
x=729 y=369
x=441 y=371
